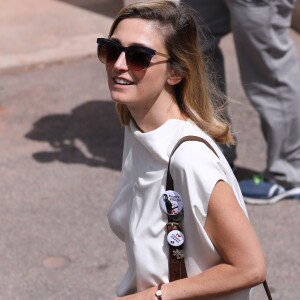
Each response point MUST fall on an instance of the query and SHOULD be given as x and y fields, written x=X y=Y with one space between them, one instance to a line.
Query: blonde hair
x=181 y=33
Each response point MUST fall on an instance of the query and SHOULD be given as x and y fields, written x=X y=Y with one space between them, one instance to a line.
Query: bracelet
x=158 y=293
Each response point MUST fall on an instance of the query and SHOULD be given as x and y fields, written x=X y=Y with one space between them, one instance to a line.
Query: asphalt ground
x=61 y=147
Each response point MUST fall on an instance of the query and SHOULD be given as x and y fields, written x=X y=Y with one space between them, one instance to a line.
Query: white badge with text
x=175 y=238
x=171 y=203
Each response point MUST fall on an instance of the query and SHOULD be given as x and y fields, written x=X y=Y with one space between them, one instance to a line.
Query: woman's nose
x=121 y=62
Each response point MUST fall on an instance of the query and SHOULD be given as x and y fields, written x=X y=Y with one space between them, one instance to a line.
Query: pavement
x=61 y=146
x=35 y=32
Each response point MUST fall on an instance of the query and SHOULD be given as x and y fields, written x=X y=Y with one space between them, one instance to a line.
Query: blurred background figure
x=270 y=76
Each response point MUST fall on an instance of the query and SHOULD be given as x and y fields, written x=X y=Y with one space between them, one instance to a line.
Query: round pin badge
x=175 y=238
x=171 y=203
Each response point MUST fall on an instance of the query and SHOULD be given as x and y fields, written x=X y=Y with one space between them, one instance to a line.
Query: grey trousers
x=269 y=71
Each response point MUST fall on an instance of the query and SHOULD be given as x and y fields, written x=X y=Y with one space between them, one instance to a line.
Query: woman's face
x=136 y=88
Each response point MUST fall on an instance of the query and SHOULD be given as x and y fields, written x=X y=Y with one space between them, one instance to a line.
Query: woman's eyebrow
x=131 y=44
x=115 y=40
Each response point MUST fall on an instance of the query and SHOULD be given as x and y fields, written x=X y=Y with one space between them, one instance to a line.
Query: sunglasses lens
x=138 y=58
x=108 y=52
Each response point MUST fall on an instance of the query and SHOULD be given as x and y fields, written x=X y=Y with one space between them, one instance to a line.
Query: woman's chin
x=120 y=99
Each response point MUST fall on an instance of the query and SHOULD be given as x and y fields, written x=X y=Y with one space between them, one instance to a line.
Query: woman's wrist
x=158 y=294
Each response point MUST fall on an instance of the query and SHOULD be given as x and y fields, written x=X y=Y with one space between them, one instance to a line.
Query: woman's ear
x=174 y=77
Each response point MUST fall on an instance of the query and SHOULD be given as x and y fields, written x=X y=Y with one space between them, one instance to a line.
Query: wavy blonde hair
x=195 y=94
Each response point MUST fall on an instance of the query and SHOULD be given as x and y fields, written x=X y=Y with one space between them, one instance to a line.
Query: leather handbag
x=177 y=269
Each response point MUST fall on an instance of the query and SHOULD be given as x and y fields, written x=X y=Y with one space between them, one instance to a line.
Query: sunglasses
x=137 y=57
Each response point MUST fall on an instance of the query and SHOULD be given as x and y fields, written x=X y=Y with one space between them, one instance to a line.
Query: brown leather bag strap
x=268 y=292
x=170 y=184
x=177 y=269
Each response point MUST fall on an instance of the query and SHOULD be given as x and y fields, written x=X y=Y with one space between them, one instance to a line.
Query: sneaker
x=259 y=191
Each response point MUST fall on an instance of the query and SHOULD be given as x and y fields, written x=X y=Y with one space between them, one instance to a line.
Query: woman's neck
x=150 y=118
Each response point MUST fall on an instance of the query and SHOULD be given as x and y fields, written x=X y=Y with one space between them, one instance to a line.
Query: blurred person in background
x=270 y=76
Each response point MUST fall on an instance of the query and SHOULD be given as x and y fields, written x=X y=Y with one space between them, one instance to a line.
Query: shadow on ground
x=91 y=134
x=108 y=8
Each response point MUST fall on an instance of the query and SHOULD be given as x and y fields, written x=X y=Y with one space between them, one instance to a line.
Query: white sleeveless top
x=136 y=217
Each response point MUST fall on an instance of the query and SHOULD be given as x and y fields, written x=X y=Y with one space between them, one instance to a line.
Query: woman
x=157 y=79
